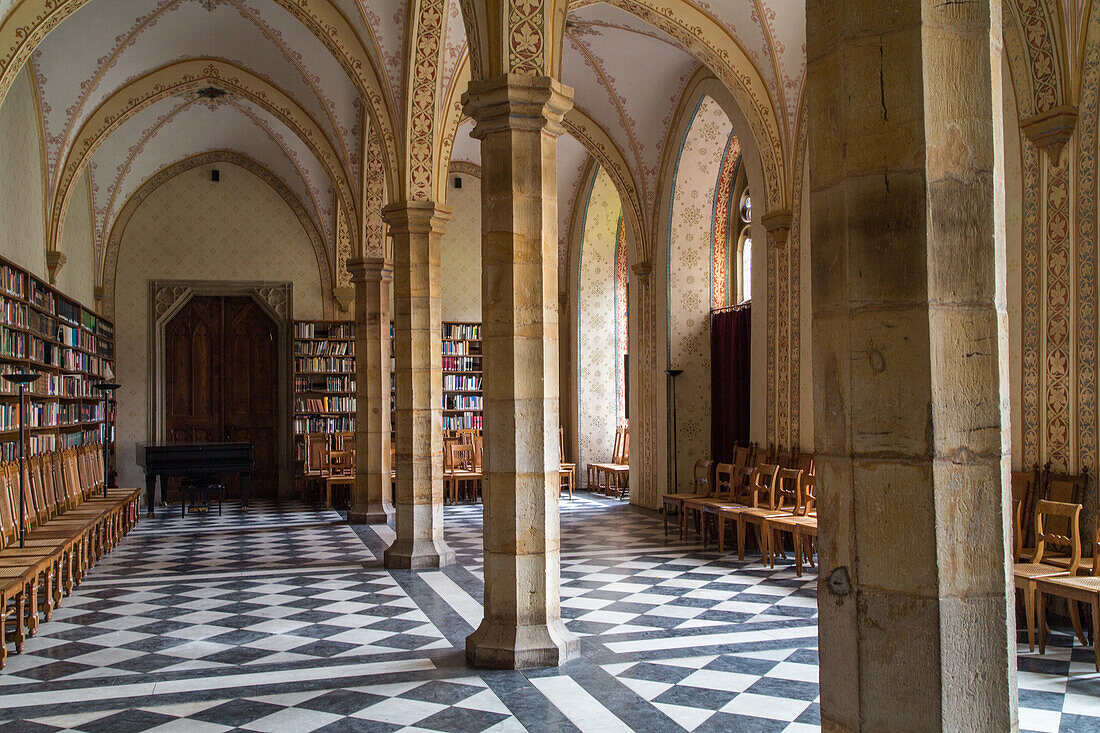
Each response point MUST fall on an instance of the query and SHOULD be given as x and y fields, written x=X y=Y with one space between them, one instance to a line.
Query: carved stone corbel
x=778 y=224
x=345 y=297
x=54 y=262
x=1051 y=130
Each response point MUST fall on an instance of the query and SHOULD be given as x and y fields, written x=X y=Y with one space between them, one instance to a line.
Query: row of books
x=12 y=281
x=35 y=444
x=463 y=331
x=41 y=296
x=76 y=337
x=461 y=382
x=330 y=330
x=320 y=424
x=79 y=361
x=325 y=404
x=463 y=421
x=38 y=415
x=325 y=364
x=324 y=384
x=461 y=402
x=324 y=348
x=461 y=348
x=462 y=363
x=13 y=312
x=49 y=385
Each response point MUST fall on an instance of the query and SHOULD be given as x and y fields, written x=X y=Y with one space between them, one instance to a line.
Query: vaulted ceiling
x=127 y=88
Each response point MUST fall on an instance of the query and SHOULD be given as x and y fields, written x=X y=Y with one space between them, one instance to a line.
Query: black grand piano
x=181 y=460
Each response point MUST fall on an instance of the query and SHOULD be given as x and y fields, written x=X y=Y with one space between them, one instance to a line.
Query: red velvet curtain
x=730 y=332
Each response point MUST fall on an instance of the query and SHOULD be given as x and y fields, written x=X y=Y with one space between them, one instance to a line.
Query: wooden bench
x=70 y=524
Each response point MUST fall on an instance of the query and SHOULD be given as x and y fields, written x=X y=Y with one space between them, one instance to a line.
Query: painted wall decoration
x=598 y=378
x=690 y=256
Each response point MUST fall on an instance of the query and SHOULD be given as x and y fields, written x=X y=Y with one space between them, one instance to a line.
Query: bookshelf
x=462 y=398
x=70 y=346
x=324 y=380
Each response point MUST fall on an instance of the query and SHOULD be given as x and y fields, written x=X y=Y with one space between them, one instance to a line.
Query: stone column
x=911 y=396
x=417 y=228
x=371 y=499
x=518 y=120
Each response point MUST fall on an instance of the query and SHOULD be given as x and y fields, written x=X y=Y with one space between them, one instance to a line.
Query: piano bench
x=201 y=490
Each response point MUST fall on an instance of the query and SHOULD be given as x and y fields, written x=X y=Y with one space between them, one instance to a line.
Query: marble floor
x=282 y=620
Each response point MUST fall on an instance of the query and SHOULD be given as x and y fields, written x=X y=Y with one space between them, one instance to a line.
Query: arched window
x=744 y=249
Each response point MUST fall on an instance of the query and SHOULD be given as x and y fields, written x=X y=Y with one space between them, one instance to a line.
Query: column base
x=504 y=646
x=418 y=554
x=370 y=515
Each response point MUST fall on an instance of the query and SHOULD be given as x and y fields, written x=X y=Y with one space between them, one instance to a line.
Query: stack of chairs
x=770 y=492
x=329 y=465
x=70 y=525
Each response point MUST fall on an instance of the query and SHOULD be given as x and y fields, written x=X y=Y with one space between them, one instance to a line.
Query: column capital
x=517 y=102
x=642 y=269
x=416 y=217
x=370 y=269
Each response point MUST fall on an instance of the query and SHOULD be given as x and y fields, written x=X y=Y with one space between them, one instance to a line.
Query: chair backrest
x=762 y=485
x=788 y=487
x=624 y=450
x=561 y=445
x=42 y=508
x=316 y=450
x=807 y=501
x=341 y=462
x=1025 y=485
x=344 y=440
x=478 y=446
x=1046 y=515
x=804 y=462
x=740 y=464
x=7 y=514
x=617 y=450
x=700 y=477
x=723 y=482
x=460 y=457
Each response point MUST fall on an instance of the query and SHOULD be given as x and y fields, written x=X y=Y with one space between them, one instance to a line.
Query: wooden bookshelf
x=324 y=380
x=462 y=398
x=72 y=348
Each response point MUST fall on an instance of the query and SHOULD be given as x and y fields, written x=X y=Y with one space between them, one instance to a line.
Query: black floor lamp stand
x=673 y=473
x=22 y=379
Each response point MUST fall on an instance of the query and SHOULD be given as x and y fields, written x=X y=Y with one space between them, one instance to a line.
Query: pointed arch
x=174 y=170
x=185 y=77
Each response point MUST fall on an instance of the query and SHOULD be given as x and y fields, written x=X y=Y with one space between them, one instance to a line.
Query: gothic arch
x=183 y=77
x=29 y=22
x=174 y=170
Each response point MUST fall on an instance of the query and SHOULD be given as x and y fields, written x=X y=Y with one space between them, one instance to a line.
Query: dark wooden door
x=221 y=375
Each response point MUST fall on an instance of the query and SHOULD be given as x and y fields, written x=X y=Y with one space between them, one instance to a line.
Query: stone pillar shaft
x=518 y=120
x=372 y=500
x=416 y=228
x=911 y=401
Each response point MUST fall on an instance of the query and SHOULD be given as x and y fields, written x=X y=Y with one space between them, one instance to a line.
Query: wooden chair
x=594 y=472
x=801 y=524
x=458 y=469
x=701 y=474
x=567 y=472
x=1075 y=589
x=1048 y=514
x=339 y=472
x=706 y=508
x=617 y=475
x=781 y=499
x=313 y=466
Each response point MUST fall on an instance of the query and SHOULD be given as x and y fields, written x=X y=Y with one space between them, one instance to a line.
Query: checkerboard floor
x=282 y=619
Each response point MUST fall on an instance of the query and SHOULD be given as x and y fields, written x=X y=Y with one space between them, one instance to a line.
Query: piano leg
x=246 y=486
x=150 y=491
